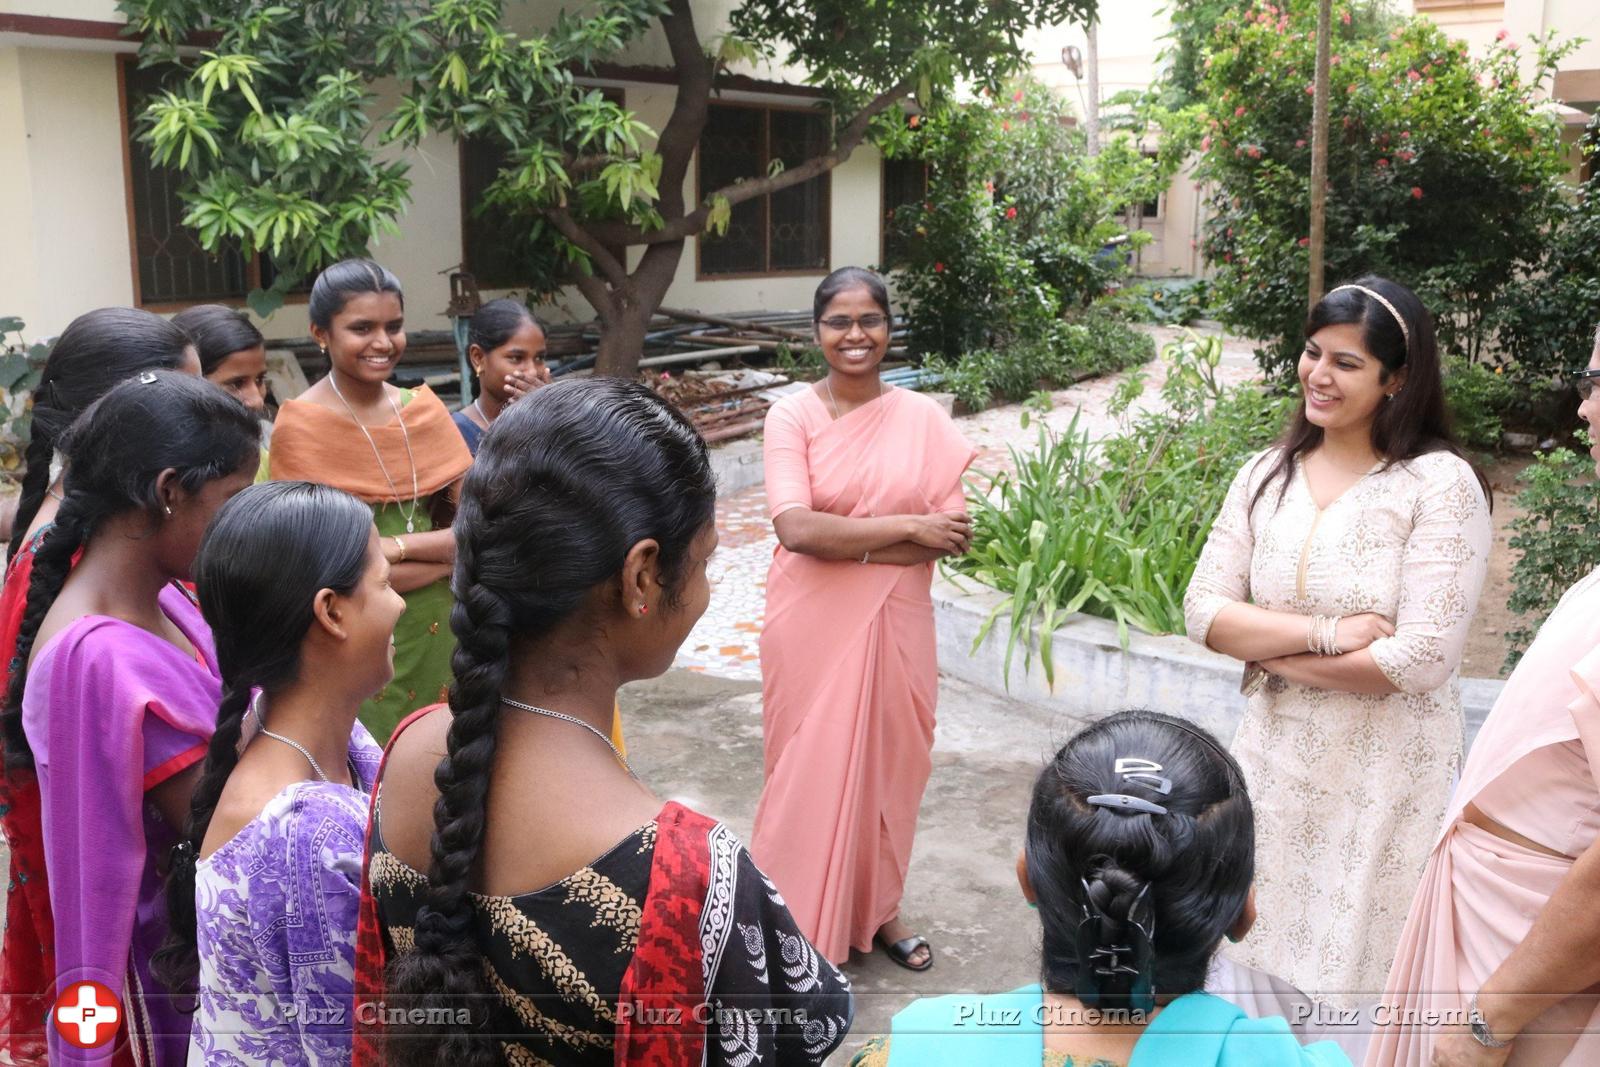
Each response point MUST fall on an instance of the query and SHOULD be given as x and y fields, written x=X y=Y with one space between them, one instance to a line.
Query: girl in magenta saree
x=115 y=689
x=864 y=498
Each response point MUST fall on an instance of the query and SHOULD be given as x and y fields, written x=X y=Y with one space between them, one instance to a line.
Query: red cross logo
x=86 y=1014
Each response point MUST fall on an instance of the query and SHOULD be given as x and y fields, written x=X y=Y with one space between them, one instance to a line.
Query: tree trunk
x=1319 y=151
x=622 y=341
x=1091 y=118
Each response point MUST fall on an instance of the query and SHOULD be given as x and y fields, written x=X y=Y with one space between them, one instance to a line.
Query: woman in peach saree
x=864 y=486
x=1499 y=961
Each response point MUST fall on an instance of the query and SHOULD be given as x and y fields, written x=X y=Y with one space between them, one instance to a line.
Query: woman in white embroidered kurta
x=1349 y=784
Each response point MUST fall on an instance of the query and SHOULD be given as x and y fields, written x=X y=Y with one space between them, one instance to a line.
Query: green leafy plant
x=1090 y=344
x=1555 y=537
x=1169 y=301
x=1445 y=169
x=21 y=364
x=1114 y=528
x=1478 y=398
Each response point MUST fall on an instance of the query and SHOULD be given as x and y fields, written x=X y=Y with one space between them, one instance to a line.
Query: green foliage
x=1549 y=318
x=1090 y=343
x=273 y=128
x=1167 y=301
x=1444 y=170
x=1018 y=220
x=1115 y=528
x=1555 y=536
x=21 y=364
x=1193 y=22
x=1478 y=398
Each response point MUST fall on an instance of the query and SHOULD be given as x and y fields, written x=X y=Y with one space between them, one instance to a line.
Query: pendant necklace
x=827 y=383
x=410 y=518
x=520 y=706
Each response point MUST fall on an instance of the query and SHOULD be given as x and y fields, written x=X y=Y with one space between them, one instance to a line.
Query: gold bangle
x=401 y=545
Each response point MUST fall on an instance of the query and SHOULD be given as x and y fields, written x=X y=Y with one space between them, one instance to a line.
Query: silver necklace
x=827 y=383
x=298 y=747
x=478 y=407
x=411 y=526
x=520 y=706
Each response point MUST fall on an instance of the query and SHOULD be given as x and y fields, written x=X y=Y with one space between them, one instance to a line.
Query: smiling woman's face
x=367 y=336
x=1341 y=380
x=857 y=348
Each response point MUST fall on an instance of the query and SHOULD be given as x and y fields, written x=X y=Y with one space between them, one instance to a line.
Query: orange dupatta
x=315 y=444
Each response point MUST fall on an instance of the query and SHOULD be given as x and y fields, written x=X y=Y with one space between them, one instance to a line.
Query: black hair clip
x=1131 y=957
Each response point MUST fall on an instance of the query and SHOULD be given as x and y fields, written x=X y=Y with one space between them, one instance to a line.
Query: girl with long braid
x=265 y=879
x=96 y=351
x=1140 y=858
x=116 y=688
x=530 y=900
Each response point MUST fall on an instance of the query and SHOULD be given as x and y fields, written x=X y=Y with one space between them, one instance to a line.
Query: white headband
x=1380 y=298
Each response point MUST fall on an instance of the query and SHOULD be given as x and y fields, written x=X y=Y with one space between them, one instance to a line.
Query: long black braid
x=572 y=478
x=116 y=452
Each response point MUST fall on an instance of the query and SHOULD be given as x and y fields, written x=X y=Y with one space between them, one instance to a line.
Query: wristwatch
x=1481 y=1033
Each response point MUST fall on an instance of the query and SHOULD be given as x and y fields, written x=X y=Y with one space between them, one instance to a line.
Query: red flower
x=1405 y=135
x=1205 y=143
x=1025 y=116
x=915 y=121
x=927 y=205
x=938 y=268
x=1311 y=90
x=1238 y=112
x=988 y=187
x=1413 y=76
x=1011 y=212
x=1016 y=97
x=1382 y=163
x=1305 y=242
x=1300 y=143
x=1344 y=17
x=1405 y=156
x=1254 y=152
x=1006 y=125
x=1416 y=192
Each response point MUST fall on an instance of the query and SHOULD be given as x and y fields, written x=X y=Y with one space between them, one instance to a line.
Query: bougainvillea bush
x=1444 y=169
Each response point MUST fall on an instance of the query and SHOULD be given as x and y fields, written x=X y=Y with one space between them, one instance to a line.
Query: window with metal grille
x=169 y=266
x=905 y=181
x=785 y=232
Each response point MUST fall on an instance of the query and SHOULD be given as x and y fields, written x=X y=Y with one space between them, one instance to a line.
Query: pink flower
x=1253 y=152
x=1405 y=156
x=1503 y=34
x=1416 y=192
x=1405 y=135
x=1311 y=90
x=1025 y=116
x=938 y=268
x=1344 y=17
x=1305 y=242
x=988 y=187
x=1382 y=163
x=1300 y=143
x=1011 y=212
x=1016 y=97
x=1205 y=143
x=1238 y=112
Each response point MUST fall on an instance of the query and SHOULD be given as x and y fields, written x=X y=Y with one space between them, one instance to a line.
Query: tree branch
x=598 y=253
x=694 y=222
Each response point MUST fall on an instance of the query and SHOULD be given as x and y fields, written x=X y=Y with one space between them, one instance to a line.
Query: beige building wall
x=64 y=228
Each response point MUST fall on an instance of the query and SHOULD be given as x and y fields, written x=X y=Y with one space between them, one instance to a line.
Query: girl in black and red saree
x=526 y=898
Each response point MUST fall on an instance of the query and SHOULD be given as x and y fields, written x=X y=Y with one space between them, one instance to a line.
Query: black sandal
x=900 y=951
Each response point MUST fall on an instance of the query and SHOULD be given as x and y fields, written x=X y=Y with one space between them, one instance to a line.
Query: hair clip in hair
x=147 y=378
x=1123 y=802
x=1127 y=959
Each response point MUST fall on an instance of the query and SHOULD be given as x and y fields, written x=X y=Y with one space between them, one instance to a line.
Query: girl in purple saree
x=265 y=881
x=116 y=688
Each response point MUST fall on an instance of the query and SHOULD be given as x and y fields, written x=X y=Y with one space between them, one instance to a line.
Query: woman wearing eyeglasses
x=864 y=489
x=1503 y=939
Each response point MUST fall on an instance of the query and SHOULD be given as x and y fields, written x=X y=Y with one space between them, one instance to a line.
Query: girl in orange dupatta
x=395 y=449
x=1503 y=929
x=864 y=486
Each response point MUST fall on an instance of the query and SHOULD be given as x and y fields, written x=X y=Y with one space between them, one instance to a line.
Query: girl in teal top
x=1140 y=855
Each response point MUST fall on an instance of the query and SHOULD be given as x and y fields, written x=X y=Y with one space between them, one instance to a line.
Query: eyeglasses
x=1585 y=381
x=842 y=323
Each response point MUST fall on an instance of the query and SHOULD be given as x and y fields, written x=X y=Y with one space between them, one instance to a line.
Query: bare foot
x=896 y=930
